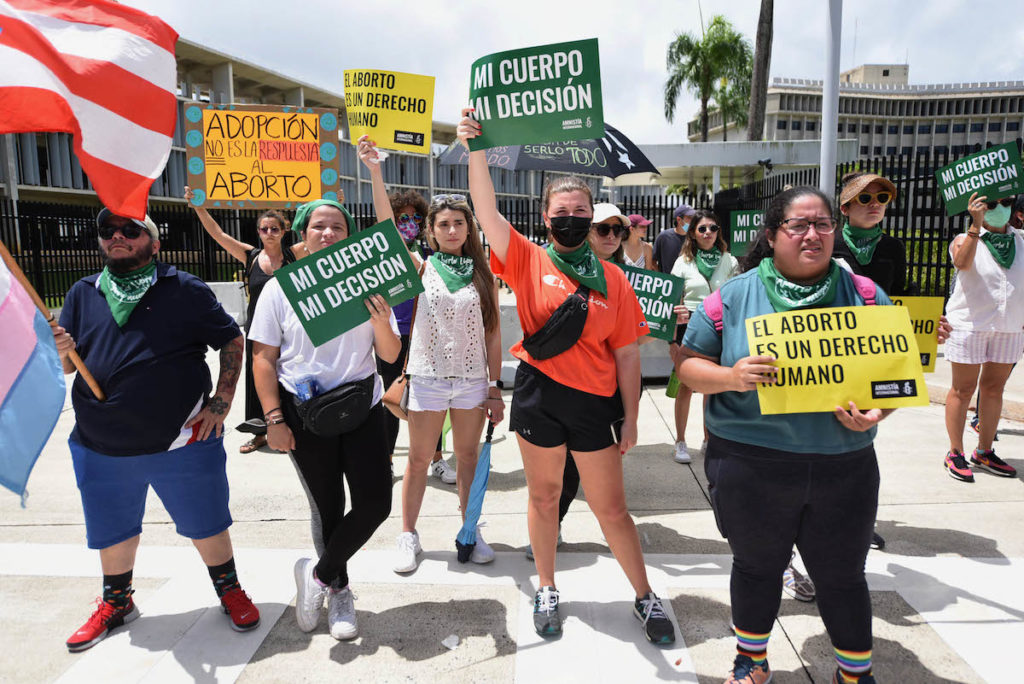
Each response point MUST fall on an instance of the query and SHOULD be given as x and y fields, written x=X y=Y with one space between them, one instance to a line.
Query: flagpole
x=12 y=265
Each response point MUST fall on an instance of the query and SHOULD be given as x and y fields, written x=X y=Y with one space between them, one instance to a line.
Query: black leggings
x=570 y=486
x=361 y=458
x=765 y=500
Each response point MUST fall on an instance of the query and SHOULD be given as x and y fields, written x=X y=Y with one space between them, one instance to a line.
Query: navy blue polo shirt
x=153 y=370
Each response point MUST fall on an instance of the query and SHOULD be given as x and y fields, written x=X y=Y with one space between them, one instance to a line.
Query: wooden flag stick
x=12 y=265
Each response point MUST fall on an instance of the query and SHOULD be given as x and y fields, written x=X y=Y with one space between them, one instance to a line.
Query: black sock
x=117 y=589
x=224 y=577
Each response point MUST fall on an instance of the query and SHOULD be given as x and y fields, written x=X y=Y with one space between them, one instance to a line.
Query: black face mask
x=570 y=231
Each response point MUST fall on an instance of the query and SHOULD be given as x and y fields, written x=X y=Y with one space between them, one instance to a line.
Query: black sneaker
x=657 y=627
x=877 y=542
x=956 y=466
x=992 y=463
x=546 y=619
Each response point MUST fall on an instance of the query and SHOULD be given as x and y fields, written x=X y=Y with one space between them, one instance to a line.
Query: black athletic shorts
x=549 y=414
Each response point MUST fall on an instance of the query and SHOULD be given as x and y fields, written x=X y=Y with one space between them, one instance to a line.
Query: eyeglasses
x=405 y=218
x=437 y=200
x=798 y=226
x=603 y=229
x=883 y=197
x=712 y=228
x=272 y=230
x=130 y=231
x=1006 y=202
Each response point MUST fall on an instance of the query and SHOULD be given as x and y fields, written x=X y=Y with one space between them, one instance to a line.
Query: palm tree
x=759 y=79
x=699 y=64
x=732 y=98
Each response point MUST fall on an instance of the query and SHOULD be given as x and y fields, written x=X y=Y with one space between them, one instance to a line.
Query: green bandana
x=456 y=271
x=786 y=296
x=1001 y=245
x=303 y=213
x=708 y=260
x=582 y=265
x=862 y=241
x=123 y=292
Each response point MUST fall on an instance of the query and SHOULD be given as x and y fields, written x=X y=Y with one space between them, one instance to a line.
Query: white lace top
x=639 y=263
x=448 y=333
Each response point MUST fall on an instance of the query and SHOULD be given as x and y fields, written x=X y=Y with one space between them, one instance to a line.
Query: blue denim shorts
x=191 y=482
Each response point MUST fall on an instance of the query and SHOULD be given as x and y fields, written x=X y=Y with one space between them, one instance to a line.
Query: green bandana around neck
x=455 y=270
x=708 y=260
x=124 y=291
x=581 y=265
x=862 y=241
x=786 y=296
x=1002 y=246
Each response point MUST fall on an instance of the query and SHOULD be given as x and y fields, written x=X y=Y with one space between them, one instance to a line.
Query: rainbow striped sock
x=853 y=665
x=752 y=645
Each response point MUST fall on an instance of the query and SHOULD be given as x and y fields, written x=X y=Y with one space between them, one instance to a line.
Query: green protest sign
x=658 y=294
x=538 y=94
x=743 y=227
x=994 y=172
x=328 y=289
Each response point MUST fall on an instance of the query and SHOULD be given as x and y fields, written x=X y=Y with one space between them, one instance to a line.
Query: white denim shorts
x=974 y=347
x=441 y=394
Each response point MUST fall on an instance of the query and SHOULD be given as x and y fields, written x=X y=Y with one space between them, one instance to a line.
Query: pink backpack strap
x=866 y=288
x=713 y=308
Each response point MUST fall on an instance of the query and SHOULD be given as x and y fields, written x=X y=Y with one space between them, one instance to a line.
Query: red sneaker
x=106 y=618
x=239 y=607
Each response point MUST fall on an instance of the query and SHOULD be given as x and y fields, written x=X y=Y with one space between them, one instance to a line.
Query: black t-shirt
x=667 y=246
x=888 y=265
x=255 y=278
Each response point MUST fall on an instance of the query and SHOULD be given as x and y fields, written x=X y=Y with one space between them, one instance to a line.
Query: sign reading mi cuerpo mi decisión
x=328 y=289
x=658 y=293
x=261 y=156
x=994 y=173
x=538 y=94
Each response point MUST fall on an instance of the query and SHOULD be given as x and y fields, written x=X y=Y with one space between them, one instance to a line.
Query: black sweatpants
x=361 y=458
x=766 y=500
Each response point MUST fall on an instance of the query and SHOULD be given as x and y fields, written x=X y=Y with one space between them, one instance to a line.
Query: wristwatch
x=496 y=383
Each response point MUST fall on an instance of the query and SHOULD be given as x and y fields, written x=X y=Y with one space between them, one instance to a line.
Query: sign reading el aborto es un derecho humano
x=537 y=94
x=328 y=289
x=245 y=156
x=830 y=357
x=658 y=294
x=924 y=316
x=994 y=173
x=395 y=109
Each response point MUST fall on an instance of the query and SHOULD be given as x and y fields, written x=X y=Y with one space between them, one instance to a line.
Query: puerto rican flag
x=31 y=383
x=101 y=71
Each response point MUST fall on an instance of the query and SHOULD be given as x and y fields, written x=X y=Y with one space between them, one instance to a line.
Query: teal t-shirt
x=736 y=415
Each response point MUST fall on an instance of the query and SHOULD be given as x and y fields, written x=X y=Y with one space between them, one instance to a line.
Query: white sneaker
x=682 y=455
x=341 y=614
x=309 y=597
x=482 y=552
x=408 y=548
x=444 y=472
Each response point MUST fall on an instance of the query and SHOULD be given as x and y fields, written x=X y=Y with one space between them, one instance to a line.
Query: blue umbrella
x=466 y=540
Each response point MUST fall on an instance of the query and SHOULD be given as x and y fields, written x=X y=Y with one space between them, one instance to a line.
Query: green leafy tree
x=698 y=65
x=732 y=98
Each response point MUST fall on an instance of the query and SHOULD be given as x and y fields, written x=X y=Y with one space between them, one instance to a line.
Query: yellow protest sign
x=395 y=109
x=924 y=317
x=261 y=155
x=830 y=357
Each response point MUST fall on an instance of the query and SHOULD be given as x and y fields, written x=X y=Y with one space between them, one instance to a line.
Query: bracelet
x=275 y=422
x=271 y=412
x=973 y=235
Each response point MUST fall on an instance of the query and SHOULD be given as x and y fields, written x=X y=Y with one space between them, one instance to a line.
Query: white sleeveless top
x=639 y=263
x=448 y=333
x=988 y=297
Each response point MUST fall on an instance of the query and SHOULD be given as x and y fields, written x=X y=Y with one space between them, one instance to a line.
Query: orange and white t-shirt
x=612 y=322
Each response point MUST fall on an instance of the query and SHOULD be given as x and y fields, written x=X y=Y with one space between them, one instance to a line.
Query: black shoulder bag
x=562 y=329
x=341 y=410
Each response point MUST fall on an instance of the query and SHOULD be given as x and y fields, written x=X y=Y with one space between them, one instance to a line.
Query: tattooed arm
x=211 y=418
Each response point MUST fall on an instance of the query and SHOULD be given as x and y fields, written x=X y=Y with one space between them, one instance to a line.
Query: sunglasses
x=406 y=218
x=272 y=230
x=438 y=200
x=603 y=229
x=130 y=231
x=708 y=229
x=1006 y=202
x=883 y=197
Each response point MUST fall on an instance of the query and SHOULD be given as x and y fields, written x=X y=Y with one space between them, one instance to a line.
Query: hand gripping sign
x=395 y=109
x=830 y=357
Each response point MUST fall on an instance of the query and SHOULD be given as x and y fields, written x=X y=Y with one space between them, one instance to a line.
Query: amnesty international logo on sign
x=830 y=357
x=395 y=109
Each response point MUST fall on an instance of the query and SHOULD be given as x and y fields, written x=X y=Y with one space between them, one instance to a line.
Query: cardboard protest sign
x=395 y=109
x=328 y=289
x=743 y=226
x=924 y=317
x=248 y=156
x=538 y=94
x=994 y=172
x=830 y=357
x=658 y=293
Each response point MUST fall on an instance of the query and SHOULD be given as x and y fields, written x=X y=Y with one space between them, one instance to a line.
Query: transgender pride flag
x=31 y=383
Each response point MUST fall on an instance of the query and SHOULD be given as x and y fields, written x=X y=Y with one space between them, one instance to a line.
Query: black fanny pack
x=341 y=410
x=562 y=329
